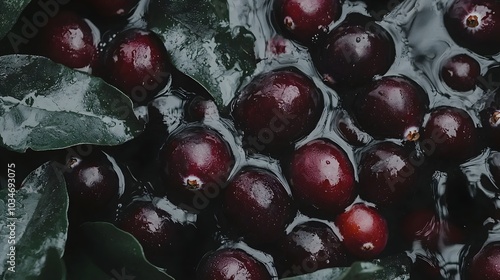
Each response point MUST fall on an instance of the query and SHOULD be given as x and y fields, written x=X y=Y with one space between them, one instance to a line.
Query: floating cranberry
x=322 y=177
x=461 y=72
x=305 y=20
x=354 y=52
x=364 y=230
x=392 y=107
x=473 y=24
x=276 y=109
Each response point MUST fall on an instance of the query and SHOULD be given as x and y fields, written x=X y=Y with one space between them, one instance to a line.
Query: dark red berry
x=425 y=226
x=392 y=107
x=199 y=108
x=276 y=109
x=461 y=72
x=137 y=63
x=364 y=230
x=231 y=264
x=473 y=24
x=387 y=174
x=304 y=20
x=162 y=238
x=322 y=177
x=484 y=264
x=309 y=247
x=195 y=161
x=354 y=52
x=113 y=8
x=92 y=182
x=68 y=39
x=257 y=204
x=490 y=120
x=449 y=134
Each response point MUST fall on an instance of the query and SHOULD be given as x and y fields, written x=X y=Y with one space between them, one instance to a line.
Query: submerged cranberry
x=461 y=72
x=231 y=264
x=322 y=177
x=474 y=24
x=68 y=39
x=484 y=264
x=490 y=120
x=364 y=230
x=304 y=20
x=137 y=63
x=392 y=107
x=257 y=204
x=195 y=161
x=387 y=174
x=354 y=52
x=450 y=134
x=92 y=182
x=276 y=109
x=162 y=238
x=309 y=247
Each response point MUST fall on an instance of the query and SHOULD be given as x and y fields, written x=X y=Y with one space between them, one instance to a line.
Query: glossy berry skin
x=257 y=204
x=425 y=226
x=392 y=107
x=199 y=108
x=449 y=134
x=137 y=63
x=195 y=159
x=113 y=8
x=92 y=182
x=160 y=236
x=460 y=72
x=484 y=264
x=276 y=109
x=322 y=177
x=364 y=230
x=231 y=264
x=473 y=24
x=490 y=120
x=386 y=174
x=310 y=246
x=354 y=52
x=68 y=39
x=304 y=20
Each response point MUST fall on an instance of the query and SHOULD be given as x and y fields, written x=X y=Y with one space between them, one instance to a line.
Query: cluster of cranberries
x=278 y=184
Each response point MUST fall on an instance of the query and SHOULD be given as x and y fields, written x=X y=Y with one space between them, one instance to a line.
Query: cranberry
x=136 y=62
x=386 y=174
x=276 y=109
x=484 y=264
x=92 y=182
x=257 y=204
x=231 y=264
x=195 y=161
x=304 y=20
x=199 y=108
x=364 y=230
x=354 y=52
x=322 y=177
x=450 y=134
x=490 y=120
x=460 y=72
x=474 y=24
x=425 y=226
x=392 y=107
x=68 y=39
x=310 y=246
x=113 y=8
x=162 y=238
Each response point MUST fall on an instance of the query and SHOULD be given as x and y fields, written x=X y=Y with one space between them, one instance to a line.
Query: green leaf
x=40 y=221
x=10 y=10
x=202 y=45
x=47 y=106
x=81 y=267
x=54 y=266
x=117 y=252
x=394 y=267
